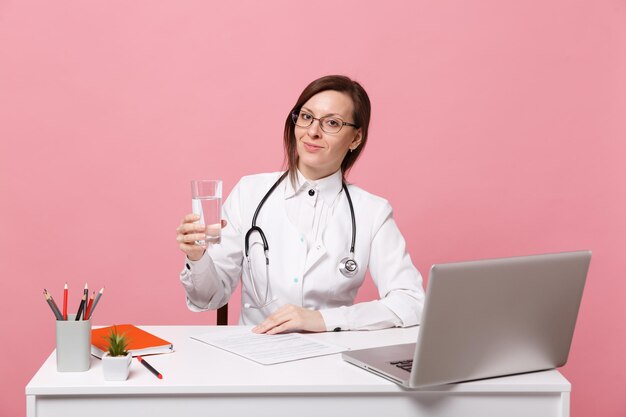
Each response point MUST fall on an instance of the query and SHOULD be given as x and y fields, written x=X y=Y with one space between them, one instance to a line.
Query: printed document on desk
x=267 y=349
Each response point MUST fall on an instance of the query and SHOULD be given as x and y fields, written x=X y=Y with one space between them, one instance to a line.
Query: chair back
x=222 y=315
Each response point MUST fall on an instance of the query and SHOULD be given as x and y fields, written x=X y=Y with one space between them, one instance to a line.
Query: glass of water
x=206 y=202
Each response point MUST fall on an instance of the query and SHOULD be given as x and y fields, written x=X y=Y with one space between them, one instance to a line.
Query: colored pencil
x=65 y=291
x=52 y=305
x=86 y=292
x=150 y=368
x=88 y=309
x=80 y=307
x=95 y=302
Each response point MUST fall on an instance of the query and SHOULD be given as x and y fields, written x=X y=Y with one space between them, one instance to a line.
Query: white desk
x=200 y=380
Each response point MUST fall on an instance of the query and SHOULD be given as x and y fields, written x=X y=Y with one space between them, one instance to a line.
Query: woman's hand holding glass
x=191 y=232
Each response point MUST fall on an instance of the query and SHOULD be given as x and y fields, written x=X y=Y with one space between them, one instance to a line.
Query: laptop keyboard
x=406 y=364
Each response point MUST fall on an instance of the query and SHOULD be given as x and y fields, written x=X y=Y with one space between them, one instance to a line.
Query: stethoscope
x=347 y=266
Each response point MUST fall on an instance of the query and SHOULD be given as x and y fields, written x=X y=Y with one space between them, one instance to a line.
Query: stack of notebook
x=140 y=342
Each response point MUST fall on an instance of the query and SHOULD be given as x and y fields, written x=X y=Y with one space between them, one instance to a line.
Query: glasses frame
x=295 y=116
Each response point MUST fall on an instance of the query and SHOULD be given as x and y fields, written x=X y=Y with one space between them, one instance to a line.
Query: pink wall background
x=498 y=129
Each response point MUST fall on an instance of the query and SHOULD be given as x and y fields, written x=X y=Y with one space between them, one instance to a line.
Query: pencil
x=86 y=292
x=56 y=308
x=150 y=368
x=88 y=309
x=80 y=307
x=65 y=302
x=53 y=307
x=95 y=302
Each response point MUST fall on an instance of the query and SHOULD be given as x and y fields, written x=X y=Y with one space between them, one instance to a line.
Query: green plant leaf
x=118 y=343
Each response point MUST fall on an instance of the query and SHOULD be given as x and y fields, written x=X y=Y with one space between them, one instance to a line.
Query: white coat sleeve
x=399 y=286
x=210 y=281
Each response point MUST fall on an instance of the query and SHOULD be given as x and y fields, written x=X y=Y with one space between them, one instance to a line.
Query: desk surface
x=198 y=377
x=198 y=368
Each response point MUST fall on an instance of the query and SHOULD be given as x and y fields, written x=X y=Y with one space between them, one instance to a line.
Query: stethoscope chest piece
x=348 y=267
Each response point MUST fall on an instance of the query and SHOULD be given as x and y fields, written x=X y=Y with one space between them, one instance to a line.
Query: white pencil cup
x=73 y=344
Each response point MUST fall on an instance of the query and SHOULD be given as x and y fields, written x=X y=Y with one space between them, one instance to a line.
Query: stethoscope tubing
x=348 y=266
x=345 y=188
x=256 y=214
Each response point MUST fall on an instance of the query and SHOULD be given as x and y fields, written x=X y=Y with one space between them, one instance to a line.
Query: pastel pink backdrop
x=498 y=129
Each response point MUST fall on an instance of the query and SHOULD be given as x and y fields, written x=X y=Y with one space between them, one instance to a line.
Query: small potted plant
x=116 y=361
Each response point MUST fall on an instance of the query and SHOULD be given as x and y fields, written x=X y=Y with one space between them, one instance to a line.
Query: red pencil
x=65 y=302
x=88 y=310
x=150 y=368
x=95 y=302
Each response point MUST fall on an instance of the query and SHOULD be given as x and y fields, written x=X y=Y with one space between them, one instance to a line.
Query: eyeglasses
x=329 y=124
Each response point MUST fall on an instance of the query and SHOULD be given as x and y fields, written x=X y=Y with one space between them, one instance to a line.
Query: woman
x=321 y=235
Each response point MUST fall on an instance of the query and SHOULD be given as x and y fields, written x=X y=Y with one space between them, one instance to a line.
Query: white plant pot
x=116 y=368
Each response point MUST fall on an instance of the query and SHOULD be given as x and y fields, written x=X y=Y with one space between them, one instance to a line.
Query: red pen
x=150 y=368
x=65 y=302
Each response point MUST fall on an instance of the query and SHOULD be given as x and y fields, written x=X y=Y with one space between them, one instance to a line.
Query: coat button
x=311 y=193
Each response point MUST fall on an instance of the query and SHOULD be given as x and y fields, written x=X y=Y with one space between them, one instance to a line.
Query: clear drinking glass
x=206 y=201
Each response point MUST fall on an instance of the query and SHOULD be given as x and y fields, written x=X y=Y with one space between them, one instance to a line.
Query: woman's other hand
x=292 y=318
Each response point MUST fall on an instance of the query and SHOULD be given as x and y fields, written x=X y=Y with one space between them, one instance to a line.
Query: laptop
x=488 y=318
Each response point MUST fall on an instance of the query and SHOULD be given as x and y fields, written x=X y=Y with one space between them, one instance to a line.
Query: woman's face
x=319 y=153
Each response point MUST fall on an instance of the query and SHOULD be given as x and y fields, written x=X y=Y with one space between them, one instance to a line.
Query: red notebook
x=140 y=342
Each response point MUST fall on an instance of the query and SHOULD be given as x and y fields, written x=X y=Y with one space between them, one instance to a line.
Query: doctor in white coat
x=301 y=242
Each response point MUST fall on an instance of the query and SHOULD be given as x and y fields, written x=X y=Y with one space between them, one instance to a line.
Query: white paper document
x=267 y=349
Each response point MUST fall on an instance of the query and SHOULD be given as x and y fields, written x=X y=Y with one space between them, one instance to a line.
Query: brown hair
x=361 y=115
